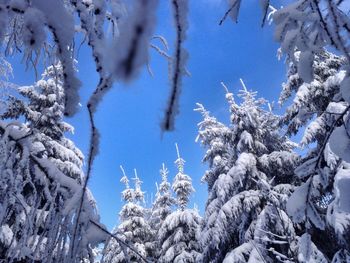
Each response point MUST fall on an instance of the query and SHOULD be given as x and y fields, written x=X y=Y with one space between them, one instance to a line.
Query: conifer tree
x=216 y=137
x=133 y=228
x=180 y=231
x=311 y=99
x=44 y=114
x=41 y=176
x=160 y=210
x=317 y=106
x=245 y=209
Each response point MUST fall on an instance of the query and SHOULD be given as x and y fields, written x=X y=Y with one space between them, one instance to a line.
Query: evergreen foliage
x=179 y=233
x=41 y=178
x=244 y=217
x=133 y=228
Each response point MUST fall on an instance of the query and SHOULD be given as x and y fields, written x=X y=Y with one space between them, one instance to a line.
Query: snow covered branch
x=180 y=11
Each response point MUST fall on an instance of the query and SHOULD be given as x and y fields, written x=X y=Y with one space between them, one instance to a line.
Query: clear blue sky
x=129 y=117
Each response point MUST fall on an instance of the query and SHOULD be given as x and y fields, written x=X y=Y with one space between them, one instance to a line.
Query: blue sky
x=130 y=115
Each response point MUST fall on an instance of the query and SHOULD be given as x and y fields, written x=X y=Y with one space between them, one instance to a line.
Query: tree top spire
x=180 y=163
x=124 y=179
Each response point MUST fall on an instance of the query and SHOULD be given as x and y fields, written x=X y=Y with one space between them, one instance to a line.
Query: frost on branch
x=318 y=107
x=27 y=26
x=232 y=11
x=309 y=26
x=131 y=46
x=61 y=26
x=178 y=69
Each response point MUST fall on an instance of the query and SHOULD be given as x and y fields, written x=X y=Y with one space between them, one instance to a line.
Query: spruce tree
x=180 y=231
x=41 y=174
x=317 y=107
x=161 y=208
x=215 y=136
x=133 y=229
x=44 y=112
x=311 y=100
x=245 y=215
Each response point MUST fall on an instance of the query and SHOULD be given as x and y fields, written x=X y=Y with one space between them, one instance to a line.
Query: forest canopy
x=268 y=201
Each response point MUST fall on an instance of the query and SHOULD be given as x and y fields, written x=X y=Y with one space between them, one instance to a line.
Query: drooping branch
x=178 y=67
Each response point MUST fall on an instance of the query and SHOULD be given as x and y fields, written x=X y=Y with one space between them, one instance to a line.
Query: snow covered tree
x=311 y=99
x=317 y=106
x=179 y=233
x=182 y=185
x=321 y=174
x=310 y=26
x=164 y=201
x=216 y=137
x=44 y=31
x=41 y=174
x=161 y=208
x=44 y=113
x=244 y=216
x=133 y=228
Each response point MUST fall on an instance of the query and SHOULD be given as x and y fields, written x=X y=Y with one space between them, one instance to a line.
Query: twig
x=228 y=12
x=177 y=71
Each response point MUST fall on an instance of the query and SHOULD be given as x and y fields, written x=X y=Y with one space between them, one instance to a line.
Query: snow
x=305 y=68
x=62 y=26
x=246 y=141
x=132 y=43
x=3 y=21
x=296 y=205
x=336 y=107
x=315 y=217
x=345 y=90
x=182 y=185
x=305 y=248
x=339 y=143
x=342 y=186
x=341 y=256
x=330 y=157
x=6 y=235
x=178 y=236
x=239 y=254
x=50 y=164
x=95 y=235
x=133 y=228
x=34 y=33
x=308 y=252
x=251 y=165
